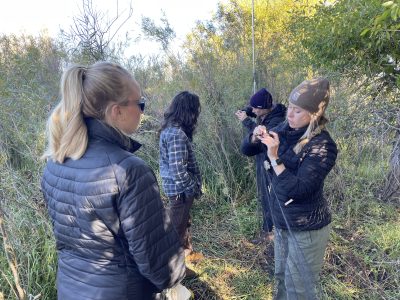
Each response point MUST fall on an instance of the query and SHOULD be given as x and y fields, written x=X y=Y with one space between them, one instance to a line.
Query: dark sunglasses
x=142 y=103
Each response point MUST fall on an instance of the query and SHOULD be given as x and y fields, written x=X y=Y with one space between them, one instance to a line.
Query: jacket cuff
x=284 y=175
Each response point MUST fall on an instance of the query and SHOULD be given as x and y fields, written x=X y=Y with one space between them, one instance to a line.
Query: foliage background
x=355 y=43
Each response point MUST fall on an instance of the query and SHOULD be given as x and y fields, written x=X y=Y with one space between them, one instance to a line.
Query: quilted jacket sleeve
x=313 y=169
x=249 y=124
x=250 y=149
x=153 y=242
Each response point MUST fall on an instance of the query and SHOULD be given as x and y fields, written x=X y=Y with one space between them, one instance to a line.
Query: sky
x=34 y=16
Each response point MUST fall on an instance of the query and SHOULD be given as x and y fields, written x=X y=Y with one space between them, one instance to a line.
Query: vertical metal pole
x=252 y=32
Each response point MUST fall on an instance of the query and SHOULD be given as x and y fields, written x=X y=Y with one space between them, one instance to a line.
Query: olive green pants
x=299 y=256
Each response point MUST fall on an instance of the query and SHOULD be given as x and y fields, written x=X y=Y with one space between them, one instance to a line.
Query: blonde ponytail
x=67 y=132
x=85 y=92
x=315 y=127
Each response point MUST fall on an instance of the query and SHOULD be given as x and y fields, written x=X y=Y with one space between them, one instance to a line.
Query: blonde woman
x=113 y=237
x=301 y=154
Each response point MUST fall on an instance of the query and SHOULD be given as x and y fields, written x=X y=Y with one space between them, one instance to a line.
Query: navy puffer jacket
x=113 y=236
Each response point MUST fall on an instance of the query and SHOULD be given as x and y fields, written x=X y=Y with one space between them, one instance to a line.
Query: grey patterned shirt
x=178 y=167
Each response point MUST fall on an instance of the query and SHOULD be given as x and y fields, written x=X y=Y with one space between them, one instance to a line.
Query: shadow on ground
x=201 y=290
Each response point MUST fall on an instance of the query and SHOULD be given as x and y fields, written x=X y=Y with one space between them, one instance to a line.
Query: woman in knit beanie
x=302 y=153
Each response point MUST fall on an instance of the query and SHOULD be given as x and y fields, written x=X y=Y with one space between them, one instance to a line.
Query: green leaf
x=387 y=4
x=365 y=31
x=381 y=18
x=393 y=13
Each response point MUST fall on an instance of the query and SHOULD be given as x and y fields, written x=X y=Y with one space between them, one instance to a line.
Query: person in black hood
x=301 y=154
x=269 y=115
x=113 y=237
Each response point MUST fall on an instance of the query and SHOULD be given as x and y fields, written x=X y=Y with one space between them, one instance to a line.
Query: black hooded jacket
x=275 y=117
x=113 y=237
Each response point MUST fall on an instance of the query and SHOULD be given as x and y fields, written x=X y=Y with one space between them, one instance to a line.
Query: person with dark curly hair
x=180 y=174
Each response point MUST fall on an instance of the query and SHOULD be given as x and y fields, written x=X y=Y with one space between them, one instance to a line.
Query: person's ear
x=115 y=112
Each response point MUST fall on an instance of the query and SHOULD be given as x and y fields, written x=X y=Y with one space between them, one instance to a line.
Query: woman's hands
x=258 y=132
x=271 y=140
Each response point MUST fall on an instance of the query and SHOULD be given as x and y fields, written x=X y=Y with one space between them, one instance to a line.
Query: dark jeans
x=267 y=225
x=263 y=192
x=179 y=210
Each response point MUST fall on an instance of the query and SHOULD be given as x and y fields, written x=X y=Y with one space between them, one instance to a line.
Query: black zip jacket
x=296 y=195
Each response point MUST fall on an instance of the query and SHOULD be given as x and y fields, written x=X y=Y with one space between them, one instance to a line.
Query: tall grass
x=362 y=260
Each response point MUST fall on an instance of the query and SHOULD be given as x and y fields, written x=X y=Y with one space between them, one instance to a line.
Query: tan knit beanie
x=311 y=95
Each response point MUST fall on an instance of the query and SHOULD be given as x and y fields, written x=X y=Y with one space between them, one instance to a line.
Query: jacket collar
x=288 y=133
x=278 y=111
x=101 y=131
